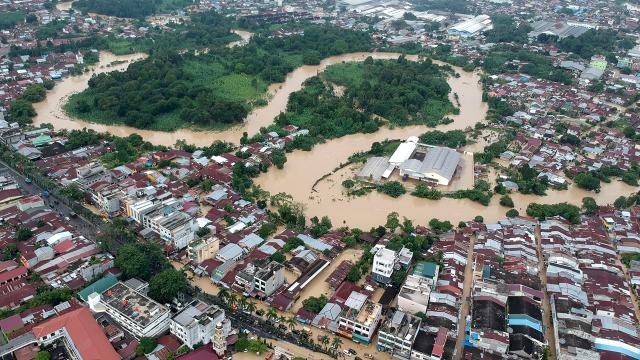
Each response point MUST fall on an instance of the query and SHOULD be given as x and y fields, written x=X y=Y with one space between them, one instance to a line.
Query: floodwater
x=318 y=285
x=50 y=110
x=62 y=6
x=245 y=36
x=298 y=176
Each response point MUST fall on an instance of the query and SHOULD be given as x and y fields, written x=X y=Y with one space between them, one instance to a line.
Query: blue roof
x=314 y=243
x=426 y=269
x=252 y=240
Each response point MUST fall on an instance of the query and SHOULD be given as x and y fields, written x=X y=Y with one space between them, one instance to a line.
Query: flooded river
x=298 y=176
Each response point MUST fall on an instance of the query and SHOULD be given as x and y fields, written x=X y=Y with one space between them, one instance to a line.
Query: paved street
x=84 y=227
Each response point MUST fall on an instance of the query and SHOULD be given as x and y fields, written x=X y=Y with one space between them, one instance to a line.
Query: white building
x=197 y=323
x=230 y=252
x=268 y=279
x=359 y=319
x=471 y=27
x=91 y=174
x=398 y=334
x=439 y=166
x=384 y=262
x=414 y=295
x=404 y=151
x=135 y=312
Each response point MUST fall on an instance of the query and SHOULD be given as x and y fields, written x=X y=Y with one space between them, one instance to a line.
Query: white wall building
x=197 y=323
x=135 y=312
x=383 y=263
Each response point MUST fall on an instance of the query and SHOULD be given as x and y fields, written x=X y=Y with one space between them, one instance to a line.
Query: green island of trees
x=130 y=8
x=171 y=90
x=399 y=92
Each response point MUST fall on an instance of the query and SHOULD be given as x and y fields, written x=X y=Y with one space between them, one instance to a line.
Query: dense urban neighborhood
x=283 y=179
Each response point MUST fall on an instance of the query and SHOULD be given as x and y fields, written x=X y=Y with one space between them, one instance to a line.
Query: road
x=81 y=225
x=547 y=320
x=465 y=300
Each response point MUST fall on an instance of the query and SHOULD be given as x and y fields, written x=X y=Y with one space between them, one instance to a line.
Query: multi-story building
x=398 y=334
x=91 y=174
x=260 y=278
x=269 y=278
x=415 y=292
x=197 y=323
x=163 y=218
x=177 y=228
x=359 y=318
x=384 y=262
x=134 y=311
x=107 y=199
x=203 y=249
x=79 y=333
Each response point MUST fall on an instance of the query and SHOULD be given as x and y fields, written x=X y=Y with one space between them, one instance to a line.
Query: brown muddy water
x=304 y=168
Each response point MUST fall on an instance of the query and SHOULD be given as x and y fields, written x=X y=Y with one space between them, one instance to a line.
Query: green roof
x=99 y=286
x=426 y=269
x=41 y=140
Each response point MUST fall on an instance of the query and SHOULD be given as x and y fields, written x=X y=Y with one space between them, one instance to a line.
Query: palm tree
x=324 y=339
x=282 y=319
x=223 y=294
x=251 y=306
x=232 y=299
x=242 y=302
x=336 y=343
x=272 y=314
x=291 y=321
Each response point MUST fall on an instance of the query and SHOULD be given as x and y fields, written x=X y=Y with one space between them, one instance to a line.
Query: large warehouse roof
x=442 y=161
x=404 y=151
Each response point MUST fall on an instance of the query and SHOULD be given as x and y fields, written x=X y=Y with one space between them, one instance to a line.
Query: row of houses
x=592 y=309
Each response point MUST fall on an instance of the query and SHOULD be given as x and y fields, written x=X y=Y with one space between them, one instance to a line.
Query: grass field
x=229 y=86
x=347 y=74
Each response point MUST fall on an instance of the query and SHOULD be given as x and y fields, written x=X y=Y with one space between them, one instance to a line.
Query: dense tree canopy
x=166 y=285
x=401 y=91
x=596 y=41
x=565 y=210
x=129 y=8
x=499 y=60
x=506 y=30
x=141 y=260
x=170 y=90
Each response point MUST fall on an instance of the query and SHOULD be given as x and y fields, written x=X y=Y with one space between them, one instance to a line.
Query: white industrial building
x=439 y=165
x=471 y=27
x=404 y=151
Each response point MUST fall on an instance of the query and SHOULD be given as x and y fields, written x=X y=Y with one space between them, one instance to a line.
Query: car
x=368 y=356
x=352 y=352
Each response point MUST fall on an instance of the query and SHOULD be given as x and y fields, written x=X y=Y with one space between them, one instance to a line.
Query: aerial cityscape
x=346 y=179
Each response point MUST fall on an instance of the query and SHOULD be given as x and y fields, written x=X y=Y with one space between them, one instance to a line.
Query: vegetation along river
x=304 y=168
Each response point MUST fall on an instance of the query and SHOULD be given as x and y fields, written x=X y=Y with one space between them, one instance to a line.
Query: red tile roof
x=10 y=275
x=85 y=333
